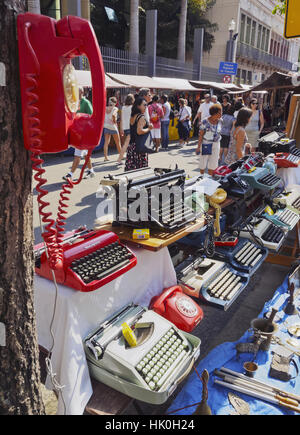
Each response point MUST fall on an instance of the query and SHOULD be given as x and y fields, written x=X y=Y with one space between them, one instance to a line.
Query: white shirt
x=183 y=113
x=168 y=110
x=204 y=110
x=125 y=118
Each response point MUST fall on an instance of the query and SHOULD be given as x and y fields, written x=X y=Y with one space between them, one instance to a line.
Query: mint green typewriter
x=150 y=371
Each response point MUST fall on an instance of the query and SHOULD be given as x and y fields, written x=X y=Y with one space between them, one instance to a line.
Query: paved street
x=218 y=326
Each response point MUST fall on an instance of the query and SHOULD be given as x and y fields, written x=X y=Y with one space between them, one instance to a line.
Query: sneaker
x=67 y=177
x=89 y=174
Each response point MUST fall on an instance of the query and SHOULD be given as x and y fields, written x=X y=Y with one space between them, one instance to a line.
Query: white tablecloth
x=78 y=313
x=289 y=175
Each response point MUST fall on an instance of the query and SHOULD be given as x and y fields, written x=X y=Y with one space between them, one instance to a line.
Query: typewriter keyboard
x=296 y=204
x=293 y=159
x=288 y=217
x=225 y=285
x=249 y=255
x=161 y=361
x=102 y=262
x=272 y=234
x=269 y=180
x=295 y=151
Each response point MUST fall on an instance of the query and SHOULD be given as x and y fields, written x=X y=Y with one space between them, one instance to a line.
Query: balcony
x=252 y=53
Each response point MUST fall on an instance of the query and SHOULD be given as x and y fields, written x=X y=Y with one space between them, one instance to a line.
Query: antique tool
x=241 y=407
x=290 y=308
x=262 y=384
x=254 y=390
x=265 y=328
x=203 y=408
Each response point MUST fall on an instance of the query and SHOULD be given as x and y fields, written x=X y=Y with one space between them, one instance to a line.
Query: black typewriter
x=151 y=198
x=274 y=143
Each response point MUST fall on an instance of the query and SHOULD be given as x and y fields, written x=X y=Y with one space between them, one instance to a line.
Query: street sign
x=228 y=68
x=292 y=23
x=227 y=79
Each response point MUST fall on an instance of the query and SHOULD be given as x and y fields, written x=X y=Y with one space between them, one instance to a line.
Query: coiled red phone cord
x=53 y=234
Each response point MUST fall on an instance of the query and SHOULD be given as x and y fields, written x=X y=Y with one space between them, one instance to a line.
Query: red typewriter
x=221 y=171
x=91 y=259
x=286 y=160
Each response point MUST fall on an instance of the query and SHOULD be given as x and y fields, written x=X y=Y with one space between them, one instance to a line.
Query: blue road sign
x=228 y=68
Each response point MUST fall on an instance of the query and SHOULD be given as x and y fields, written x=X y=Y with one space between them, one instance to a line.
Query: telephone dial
x=178 y=308
x=49 y=91
x=50 y=101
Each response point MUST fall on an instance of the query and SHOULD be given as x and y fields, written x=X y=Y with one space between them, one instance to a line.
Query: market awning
x=175 y=84
x=276 y=81
x=136 y=82
x=85 y=80
x=214 y=85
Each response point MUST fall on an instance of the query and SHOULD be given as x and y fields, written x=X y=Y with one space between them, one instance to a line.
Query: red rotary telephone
x=50 y=101
x=178 y=308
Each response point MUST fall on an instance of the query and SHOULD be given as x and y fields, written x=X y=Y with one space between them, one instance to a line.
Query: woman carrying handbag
x=209 y=140
x=141 y=143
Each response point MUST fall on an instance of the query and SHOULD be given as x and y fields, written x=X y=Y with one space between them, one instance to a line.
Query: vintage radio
x=213 y=281
x=91 y=259
x=261 y=178
x=261 y=230
x=286 y=160
x=161 y=198
x=245 y=256
x=151 y=370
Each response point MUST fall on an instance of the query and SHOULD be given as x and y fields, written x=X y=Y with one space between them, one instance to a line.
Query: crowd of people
x=226 y=129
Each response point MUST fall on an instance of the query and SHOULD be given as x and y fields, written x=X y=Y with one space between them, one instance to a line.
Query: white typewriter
x=286 y=218
x=214 y=281
x=261 y=230
x=291 y=197
x=150 y=371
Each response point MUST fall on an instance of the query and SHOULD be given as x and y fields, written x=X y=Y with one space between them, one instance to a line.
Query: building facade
x=260 y=48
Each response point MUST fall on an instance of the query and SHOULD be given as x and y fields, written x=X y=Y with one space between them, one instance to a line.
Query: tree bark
x=134 y=40
x=20 y=392
x=182 y=31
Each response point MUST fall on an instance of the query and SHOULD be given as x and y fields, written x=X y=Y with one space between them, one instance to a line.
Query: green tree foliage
x=280 y=7
x=168 y=24
x=116 y=34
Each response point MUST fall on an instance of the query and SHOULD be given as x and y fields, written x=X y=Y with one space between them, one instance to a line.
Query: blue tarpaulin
x=225 y=356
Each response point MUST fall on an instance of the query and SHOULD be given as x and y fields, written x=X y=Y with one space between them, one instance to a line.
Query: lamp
x=232 y=25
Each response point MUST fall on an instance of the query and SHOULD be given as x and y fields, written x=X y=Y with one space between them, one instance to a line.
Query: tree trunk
x=182 y=31
x=19 y=374
x=134 y=40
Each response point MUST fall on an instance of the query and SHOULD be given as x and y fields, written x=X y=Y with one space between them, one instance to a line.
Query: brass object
x=203 y=408
x=250 y=368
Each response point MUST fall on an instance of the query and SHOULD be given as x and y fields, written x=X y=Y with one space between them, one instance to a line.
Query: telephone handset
x=178 y=308
x=50 y=100
x=48 y=82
